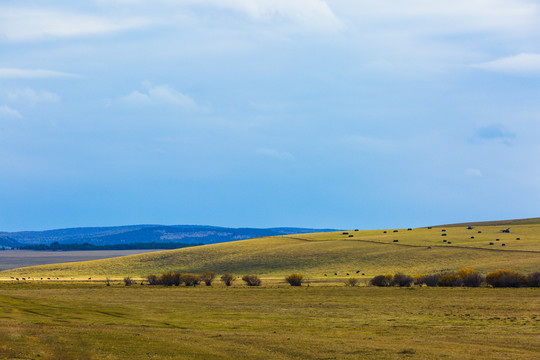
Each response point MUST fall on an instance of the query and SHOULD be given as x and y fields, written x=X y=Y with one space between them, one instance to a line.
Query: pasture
x=369 y=252
x=68 y=320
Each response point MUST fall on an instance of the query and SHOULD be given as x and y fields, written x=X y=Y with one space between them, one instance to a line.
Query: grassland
x=91 y=321
x=370 y=253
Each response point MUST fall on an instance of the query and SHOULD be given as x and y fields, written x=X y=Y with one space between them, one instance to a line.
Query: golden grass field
x=73 y=320
x=370 y=252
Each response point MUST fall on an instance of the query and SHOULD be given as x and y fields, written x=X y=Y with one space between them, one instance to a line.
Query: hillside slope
x=371 y=252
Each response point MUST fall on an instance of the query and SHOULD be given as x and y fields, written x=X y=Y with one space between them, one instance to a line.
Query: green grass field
x=370 y=252
x=72 y=320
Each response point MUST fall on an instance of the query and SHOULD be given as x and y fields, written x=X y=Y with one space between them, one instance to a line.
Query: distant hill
x=528 y=221
x=187 y=234
x=330 y=255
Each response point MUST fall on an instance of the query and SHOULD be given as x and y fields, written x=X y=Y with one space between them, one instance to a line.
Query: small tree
x=128 y=281
x=352 y=282
x=402 y=280
x=208 y=277
x=252 y=280
x=382 y=280
x=505 y=278
x=228 y=279
x=450 y=279
x=152 y=280
x=470 y=277
x=429 y=280
x=533 y=279
x=295 y=279
x=190 y=279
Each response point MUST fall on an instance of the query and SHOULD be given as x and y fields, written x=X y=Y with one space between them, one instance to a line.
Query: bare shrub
x=252 y=280
x=402 y=280
x=505 y=278
x=107 y=282
x=208 y=277
x=190 y=279
x=382 y=280
x=429 y=280
x=470 y=277
x=152 y=280
x=128 y=281
x=295 y=279
x=450 y=279
x=170 y=278
x=352 y=282
x=533 y=279
x=228 y=279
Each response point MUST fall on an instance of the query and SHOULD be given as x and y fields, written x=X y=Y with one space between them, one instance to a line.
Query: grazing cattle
x=472 y=237
x=357 y=271
x=518 y=238
x=347 y=274
x=429 y=227
x=384 y=232
x=490 y=243
x=17 y=279
x=325 y=275
x=444 y=240
x=350 y=235
x=396 y=240
x=507 y=230
x=469 y=227
x=449 y=242
x=503 y=244
x=443 y=234
x=363 y=274
x=356 y=230
x=429 y=247
x=479 y=232
x=395 y=231
x=89 y=278
x=443 y=230
x=497 y=239
x=335 y=274
x=409 y=229
x=345 y=233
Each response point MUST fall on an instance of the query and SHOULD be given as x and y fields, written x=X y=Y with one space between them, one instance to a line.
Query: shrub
x=429 y=280
x=228 y=279
x=170 y=278
x=382 y=280
x=207 y=277
x=107 y=282
x=533 y=279
x=470 y=277
x=152 y=280
x=352 y=282
x=252 y=280
x=450 y=279
x=190 y=279
x=505 y=278
x=128 y=281
x=295 y=279
x=402 y=280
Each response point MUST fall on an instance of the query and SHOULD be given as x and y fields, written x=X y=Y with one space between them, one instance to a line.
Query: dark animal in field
x=345 y=233
x=443 y=230
x=507 y=230
x=356 y=230
x=490 y=243
x=503 y=244
x=357 y=271
x=395 y=231
x=429 y=227
x=347 y=274
x=469 y=227
x=384 y=232
x=17 y=279
x=518 y=238
x=48 y=278
x=396 y=240
x=350 y=235
x=479 y=232
x=449 y=242
x=363 y=274
x=472 y=237
x=497 y=239
x=24 y=279
x=443 y=234
x=409 y=229
x=429 y=247
x=325 y=275
x=444 y=240
x=89 y=278
x=335 y=274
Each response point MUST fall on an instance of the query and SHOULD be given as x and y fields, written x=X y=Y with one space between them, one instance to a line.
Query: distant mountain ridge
x=188 y=234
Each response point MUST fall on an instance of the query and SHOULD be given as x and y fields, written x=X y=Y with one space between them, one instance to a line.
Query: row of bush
x=464 y=277
x=173 y=278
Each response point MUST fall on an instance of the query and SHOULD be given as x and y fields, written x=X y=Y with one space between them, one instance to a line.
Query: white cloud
x=6 y=111
x=32 y=96
x=473 y=172
x=160 y=94
x=19 y=24
x=282 y=155
x=11 y=73
x=522 y=64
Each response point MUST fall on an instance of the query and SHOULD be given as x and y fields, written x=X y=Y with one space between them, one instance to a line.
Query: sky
x=263 y=113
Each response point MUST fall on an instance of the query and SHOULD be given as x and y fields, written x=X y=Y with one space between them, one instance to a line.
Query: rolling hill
x=331 y=255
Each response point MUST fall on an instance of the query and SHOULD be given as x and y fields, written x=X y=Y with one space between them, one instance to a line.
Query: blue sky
x=338 y=113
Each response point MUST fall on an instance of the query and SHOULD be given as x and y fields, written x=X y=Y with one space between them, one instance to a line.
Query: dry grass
x=74 y=320
x=314 y=255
